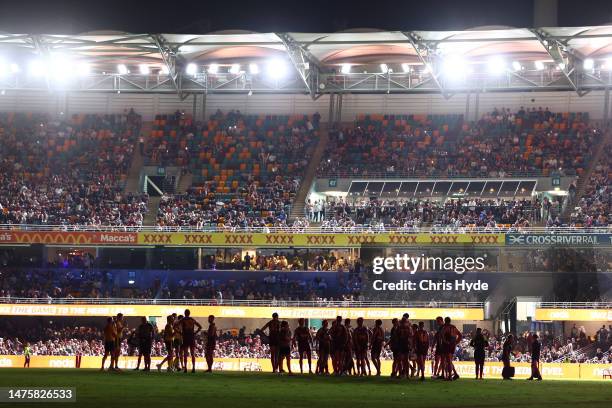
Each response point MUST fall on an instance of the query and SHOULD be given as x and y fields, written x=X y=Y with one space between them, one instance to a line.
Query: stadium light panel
x=144 y=69
x=14 y=68
x=235 y=69
x=384 y=68
x=277 y=68
x=454 y=66
x=191 y=69
x=83 y=68
x=345 y=68
x=253 y=68
x=539 y=65
x=122 y=69
x=588 y=64
x=406 y=67
x=516 y=66
x=561 y=66
x=61 y=67
x=164 y=70
x=37 y=68
x=496 y=65
x=213 y=68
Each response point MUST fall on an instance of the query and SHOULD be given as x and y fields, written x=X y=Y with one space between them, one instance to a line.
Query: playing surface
x=131 y=389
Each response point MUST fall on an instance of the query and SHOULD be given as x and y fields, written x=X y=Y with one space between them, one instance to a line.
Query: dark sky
x=203 y=16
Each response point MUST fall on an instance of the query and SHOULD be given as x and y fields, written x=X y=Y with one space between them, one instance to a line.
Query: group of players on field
x=179 y=338
x=346 y=346
x=408 y=342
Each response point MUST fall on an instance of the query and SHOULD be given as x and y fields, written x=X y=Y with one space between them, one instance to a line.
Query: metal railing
x=427 y=176
x=575 y=305
x=243 y=303
x=576 y=354
x=356 y=229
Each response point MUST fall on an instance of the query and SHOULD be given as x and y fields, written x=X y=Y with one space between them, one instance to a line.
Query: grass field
x=148 y=390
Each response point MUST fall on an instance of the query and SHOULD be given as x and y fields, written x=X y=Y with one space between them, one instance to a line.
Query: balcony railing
x=243 y=303
x=575 y=305
x=356 y=229
x=426 y=176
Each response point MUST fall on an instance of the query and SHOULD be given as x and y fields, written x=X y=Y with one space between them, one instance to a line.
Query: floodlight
x=277 y=68
x=164 y=70
x=37 y=68
x=539 y=65
x=588 y=64
x=61 y=67
x=454 y=66
x=122 y=69
x=345 y=68
x=83 y=68
x=213 y=68
x=516 y=66
x=191 y=69
x=14 y=68
x=234 y=69
x=561 y=66
x=253 y=68
x=496 y=65
x=384 y=68
x=144 y=69
x=406 y=67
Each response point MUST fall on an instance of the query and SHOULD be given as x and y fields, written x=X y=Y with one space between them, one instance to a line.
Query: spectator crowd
x=68 y=172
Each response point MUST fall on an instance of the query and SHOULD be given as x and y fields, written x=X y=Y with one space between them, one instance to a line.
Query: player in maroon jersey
x=349 y=364
x=211 y=342
x=405 y=345
x=339 y=337
x=421 y=340
x=273 y=337
x=451 y=336
x=378 y=339
x=324 y=341
x=361 y=341
x=438 y=362
x=302 y=337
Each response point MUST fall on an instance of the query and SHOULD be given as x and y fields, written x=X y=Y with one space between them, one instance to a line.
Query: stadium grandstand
x=314 y=175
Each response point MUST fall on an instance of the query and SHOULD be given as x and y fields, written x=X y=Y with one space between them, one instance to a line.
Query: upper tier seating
x=501 y=144
x=69 y=172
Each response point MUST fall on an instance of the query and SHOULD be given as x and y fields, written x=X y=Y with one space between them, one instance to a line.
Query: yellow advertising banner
x=246 y=312
x=245 y=239
x=280 y=240
x=594 y=371
x=550 y=371
x=585 y=315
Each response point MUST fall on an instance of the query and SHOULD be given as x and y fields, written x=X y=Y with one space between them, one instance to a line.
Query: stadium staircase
x=299 y=203
x=132 y=183
x=186 y=180
x=150 y=217
x=583 y=180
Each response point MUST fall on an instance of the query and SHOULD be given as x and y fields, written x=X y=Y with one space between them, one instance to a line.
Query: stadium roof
x=358 y=52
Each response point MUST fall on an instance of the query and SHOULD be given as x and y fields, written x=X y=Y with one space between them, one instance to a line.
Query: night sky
x=203 y=16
